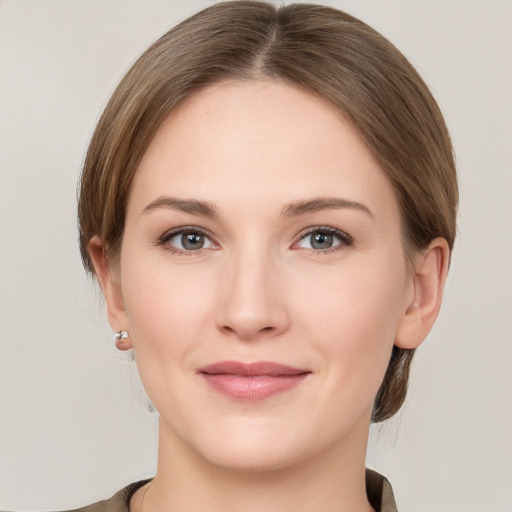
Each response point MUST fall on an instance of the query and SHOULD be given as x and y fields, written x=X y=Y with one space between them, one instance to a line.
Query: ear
x=108 y=278
x=424 y=301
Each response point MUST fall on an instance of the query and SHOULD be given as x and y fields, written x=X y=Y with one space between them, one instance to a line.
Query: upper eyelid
x=166 y=237
x=329 y=229
x=185 y=229
x=169 y=234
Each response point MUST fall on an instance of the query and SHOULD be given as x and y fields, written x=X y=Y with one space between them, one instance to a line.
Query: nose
x=252 y=302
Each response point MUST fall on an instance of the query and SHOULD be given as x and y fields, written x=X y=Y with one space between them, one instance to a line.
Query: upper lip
x=251 y=369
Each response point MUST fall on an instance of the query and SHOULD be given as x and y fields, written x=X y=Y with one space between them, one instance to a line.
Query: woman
x=268 y=203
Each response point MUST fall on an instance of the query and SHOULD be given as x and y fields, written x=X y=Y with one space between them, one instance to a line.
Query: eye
x=324 y=239
x=186 y=240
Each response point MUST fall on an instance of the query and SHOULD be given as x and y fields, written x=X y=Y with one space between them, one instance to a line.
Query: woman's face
x=262 y=277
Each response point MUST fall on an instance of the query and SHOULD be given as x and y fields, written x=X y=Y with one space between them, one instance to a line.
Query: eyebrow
x=192 y=206
x=322 y=203
x=295 y=209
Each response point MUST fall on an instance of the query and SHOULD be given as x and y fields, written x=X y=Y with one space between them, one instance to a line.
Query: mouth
x=252 y=381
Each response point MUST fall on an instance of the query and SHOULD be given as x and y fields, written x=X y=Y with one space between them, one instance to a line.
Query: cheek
x=352 y=314
x=165 y=308
x=168 y=312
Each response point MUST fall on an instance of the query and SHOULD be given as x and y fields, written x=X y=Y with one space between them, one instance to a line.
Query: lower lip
x=259 y=387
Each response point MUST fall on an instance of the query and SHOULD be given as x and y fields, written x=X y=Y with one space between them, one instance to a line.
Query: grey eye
x=321 y=240
x=190 y=241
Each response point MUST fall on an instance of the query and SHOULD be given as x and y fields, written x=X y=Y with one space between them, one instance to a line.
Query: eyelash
x=344 y=238
x=169 y=235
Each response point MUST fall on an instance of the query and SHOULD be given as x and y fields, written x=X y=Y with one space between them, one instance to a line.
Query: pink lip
x=253 y=381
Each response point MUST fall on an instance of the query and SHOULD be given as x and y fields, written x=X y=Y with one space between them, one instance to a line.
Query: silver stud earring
x=121 y=336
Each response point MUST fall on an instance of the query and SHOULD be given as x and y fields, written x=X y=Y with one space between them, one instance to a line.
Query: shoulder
x=378 y=488
x=119 y=502
x=379 y=491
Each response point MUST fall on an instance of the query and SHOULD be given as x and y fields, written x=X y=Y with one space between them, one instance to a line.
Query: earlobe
x=111 y=288
x=430 y=270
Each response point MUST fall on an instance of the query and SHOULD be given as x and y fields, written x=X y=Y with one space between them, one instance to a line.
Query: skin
x=259 y=291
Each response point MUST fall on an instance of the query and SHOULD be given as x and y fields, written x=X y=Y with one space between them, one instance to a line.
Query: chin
x=252 y=458
x=256 y=445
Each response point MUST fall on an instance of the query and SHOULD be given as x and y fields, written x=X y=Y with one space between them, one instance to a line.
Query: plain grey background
x=74 y=426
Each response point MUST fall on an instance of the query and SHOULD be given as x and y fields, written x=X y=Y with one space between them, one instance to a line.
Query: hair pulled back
x=325 y=52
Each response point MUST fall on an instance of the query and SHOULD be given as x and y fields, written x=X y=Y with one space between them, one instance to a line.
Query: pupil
x=192 y=241
x=321 y=241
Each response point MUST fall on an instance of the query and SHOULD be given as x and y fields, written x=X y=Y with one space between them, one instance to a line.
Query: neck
x=330 y=481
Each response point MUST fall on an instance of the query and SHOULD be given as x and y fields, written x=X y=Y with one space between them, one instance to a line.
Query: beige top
x=378 y=489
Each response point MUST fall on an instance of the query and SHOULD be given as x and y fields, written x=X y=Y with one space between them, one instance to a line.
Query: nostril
x=245 y=331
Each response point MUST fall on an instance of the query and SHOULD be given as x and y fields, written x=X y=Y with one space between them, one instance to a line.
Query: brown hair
x=320 y=49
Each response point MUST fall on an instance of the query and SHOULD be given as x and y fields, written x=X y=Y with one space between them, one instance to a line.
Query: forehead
x=260 y=141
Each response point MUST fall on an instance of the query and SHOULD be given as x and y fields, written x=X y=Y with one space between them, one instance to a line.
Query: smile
x=253 y=381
